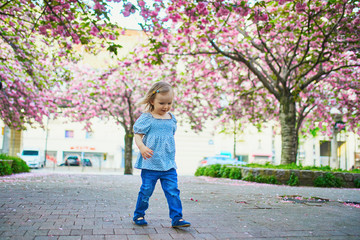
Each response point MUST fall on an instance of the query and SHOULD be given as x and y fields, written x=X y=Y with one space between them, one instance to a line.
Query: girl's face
x=163 y=103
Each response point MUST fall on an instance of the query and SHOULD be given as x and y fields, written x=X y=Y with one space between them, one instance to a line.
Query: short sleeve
x=175 y=122
x=142 y=124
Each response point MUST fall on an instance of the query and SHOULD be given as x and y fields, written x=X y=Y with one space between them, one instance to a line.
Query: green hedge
x=5 y=168
x=211 y=171
x=294 y=180
x=261 y=179
x=219 y=171
x=233 y=172
x=328 y=180
x=17 y=166
x=357 y=183
x=225 y=171
x=299 y=167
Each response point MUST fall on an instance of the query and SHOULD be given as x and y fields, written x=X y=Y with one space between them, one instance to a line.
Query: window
x=30 y=153
x=325 y=148
x=69 y=133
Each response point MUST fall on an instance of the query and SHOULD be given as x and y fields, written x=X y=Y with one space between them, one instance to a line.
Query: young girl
x=154 y=135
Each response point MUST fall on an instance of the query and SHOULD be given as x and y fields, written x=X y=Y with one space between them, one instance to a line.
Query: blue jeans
x=169 y=184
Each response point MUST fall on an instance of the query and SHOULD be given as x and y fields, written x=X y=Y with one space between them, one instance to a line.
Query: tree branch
x=321 y=54
x=241 y=58
x=5 y=4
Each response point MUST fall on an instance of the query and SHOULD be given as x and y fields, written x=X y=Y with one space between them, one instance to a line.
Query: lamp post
x=6 y=140
x=336 y=114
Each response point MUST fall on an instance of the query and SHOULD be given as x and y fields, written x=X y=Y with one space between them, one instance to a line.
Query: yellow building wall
x=15 y=142
x=129 y=40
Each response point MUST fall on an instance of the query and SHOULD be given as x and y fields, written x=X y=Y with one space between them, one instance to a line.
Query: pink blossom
x=126 y=13
x=94 y=30
x=43 y=29
x=141 y=3
x=257 y=41
x=99 y=6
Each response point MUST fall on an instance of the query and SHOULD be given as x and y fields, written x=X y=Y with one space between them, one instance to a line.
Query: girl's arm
x=144 y=150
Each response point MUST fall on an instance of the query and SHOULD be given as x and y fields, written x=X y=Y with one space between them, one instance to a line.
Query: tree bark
x=288 y=130
x=128 y=153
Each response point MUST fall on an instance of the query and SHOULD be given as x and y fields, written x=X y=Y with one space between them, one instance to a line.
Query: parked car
x=72 y=161
x=34 y=157
x=86 y=162
x=220 y=159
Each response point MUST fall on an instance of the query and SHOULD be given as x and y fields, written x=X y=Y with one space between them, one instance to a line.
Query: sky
x=131 y=22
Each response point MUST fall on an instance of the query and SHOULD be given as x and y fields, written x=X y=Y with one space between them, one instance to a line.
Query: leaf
x=314 y=131
x=114 y=48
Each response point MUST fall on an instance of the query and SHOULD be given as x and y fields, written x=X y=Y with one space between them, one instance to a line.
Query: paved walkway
x=46 y=205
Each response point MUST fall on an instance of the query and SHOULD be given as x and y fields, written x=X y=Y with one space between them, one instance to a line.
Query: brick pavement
x=45 y=205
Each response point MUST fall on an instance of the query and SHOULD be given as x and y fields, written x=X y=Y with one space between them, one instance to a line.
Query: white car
x=34 y=158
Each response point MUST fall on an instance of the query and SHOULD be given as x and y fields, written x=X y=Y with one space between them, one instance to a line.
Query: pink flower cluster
x=129 y=8
x=31 y=66
x=270 y=47
x=352 y=205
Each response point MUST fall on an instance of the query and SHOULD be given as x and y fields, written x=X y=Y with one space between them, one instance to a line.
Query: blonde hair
x=159 y=87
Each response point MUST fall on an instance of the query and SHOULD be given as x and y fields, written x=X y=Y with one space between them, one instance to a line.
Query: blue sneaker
x=180 y=223
x=140 y=221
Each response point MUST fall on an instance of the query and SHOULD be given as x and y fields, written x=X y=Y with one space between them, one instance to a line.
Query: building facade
x=105 y=145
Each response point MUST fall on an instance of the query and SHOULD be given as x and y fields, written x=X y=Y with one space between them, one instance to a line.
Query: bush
x=232 y=172
x=218 y=170
x=5 y=168
x=273 y=180
x=19 y=166
x=328 y=180
x=213 y=170
x=200 y=171
x=357 y=183
x=266 y=179
x=299 y=167
x=225 y=171
x=209 y=172
x=261 y=179
x=294 y=180
x=249 y=178
x=235 y=173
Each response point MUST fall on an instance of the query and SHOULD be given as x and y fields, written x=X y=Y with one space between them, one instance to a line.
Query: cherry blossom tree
x=339 y=91
x=112 y=94
x=35 y=38
x=298 y=51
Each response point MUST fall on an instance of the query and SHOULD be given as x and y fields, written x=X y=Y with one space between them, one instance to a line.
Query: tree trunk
x=288 y=130
x=128 y=153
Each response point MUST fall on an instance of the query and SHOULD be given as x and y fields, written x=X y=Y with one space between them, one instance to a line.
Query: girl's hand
x=146 y=152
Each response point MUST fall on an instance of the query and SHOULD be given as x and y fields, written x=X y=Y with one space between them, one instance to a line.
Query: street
x=60 y=205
